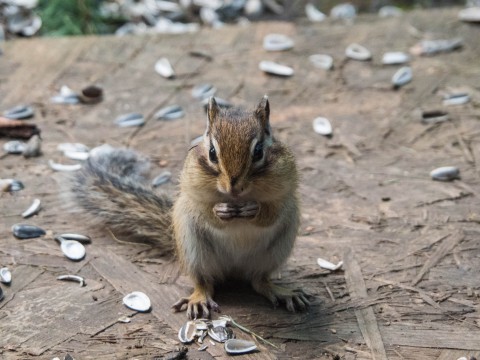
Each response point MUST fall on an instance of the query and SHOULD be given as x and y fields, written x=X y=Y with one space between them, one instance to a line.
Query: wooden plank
x=365 y=317
x=457 y=354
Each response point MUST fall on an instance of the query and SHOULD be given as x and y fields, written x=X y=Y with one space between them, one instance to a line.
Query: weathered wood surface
x=412 y=281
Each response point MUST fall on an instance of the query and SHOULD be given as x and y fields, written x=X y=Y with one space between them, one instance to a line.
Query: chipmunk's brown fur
x=236 y=215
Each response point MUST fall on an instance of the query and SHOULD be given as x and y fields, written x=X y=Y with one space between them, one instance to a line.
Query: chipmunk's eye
x=258 y=152
x=212 y=154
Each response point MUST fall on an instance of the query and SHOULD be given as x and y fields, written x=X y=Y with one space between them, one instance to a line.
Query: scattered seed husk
x=124 y=319
x=14 y=147
x=201 y=325
x=77 y=237
x=73 y=147
x=325 y=264
x=76 y=278
x=62 y=167
x=274 y=68
x=76 y=155
x=277 y=42
x=137 y=301
x=238 y=346
x=5 y=275
x=164 y=68
x=434 y=116
x=33 y=209
x=445 y=173
x=321 y=61
x=456 y=99
x=72 y=249
x=128 y=120
x=7 y=185
x=187 y=332
x=169 y=113
x=19 y=112
x=33 y=147
x=322 y=126
x=313 y=14
x=91 y=95
x=344 y=11
x=470 y=14
x=220 y=333
x=203 y=91
x=203 y=347
x=431 y=47
x=402 y=76
x=358 y=52
x=395 y=57
x=390 y=11
x=25 y=231
x=66 y=96
x=161 y=179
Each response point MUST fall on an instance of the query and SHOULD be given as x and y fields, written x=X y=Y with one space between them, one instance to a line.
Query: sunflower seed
x=274 y=68
x=33 y=209
x=322 y=126
x=161 y=179
x=91 y=94
x=321 y=61
x=434 y=116
x=19 y=112
x=390 y=11
x=164 y=68
x=77 y=237
x=132 y=119
x=61 y=167
x=313 y=14
x=33 y=147
x=7 y=185
x=328 y=265
x=456 y=99
x=445 y=173
x=137 y=301
x=186 y=334
x=237 y=346
x=470 y=14
x=5 y=276
x=358 y=52
x=402 y=76
x=74 y=147
x=169 y=113
x=203 y=91
x=71 y=249
x=220 y=333
x=24 y=231
x=277 y=42
x=14 y=147
x=395 y=57
x=430 y=47
x=76 y=278
x=344 y=11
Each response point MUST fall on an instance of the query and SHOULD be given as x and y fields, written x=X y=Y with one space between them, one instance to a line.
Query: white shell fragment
x=7 y=185
x=274 y=68
x=76 y=155
x=164 y=68
x=430 y=47
x=313 y=14
x=237 y=346
x=77 y=237
x=162 y=178
x=138 y=301
x=61 y=167
x=33 y=209
x=203 y=347
x=402 y=76
x=395 y=57
x=187 y=332
x=5 y=276
x=322 y=126
x=76 y=278
x=358 y=52
x=220 y=333
x=169 y=113
x=445 y=173
x=19 y=112
x=72 y=249
x=344 y=11
x=73 y=147
x=66 y=96
x=14 y=147
x=321 y=61
x=128 y=120
x=390 y=11
x=203 y=91
x=470 y=14
x=277 y=42
x=456 y=99
x=325 y=264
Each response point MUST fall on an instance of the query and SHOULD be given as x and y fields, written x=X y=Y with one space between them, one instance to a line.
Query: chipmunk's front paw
x=293 y=299
x=227 y=211
x=198 y=304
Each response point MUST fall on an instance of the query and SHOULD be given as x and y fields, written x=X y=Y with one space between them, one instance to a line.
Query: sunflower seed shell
x=33 y=209
x=237 y=346
x=5 y=276
x=24 y=231
x=137 y=301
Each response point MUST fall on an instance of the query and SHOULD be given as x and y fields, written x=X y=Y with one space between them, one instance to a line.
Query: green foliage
x=74 y=17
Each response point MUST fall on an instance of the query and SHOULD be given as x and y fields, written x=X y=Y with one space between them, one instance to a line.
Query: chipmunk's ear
x=263 y=114
x=212 y=111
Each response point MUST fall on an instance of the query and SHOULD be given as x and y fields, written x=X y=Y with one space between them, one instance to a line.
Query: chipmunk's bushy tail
x=112 y=187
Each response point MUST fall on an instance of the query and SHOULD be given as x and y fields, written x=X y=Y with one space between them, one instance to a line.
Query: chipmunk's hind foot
x=293 y=299
x=198 y=304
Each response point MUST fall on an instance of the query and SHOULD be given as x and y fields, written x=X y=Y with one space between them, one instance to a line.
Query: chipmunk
x=236 y=215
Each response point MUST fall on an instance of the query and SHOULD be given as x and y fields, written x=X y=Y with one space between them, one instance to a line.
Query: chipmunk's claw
x=197 y=306
x=293 y=299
